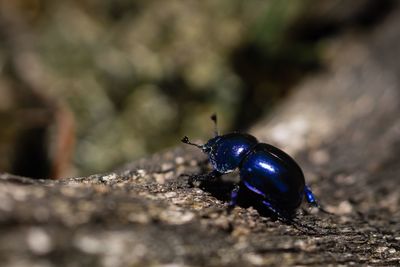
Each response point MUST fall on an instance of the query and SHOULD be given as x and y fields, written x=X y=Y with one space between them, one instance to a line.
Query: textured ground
x=343 y=126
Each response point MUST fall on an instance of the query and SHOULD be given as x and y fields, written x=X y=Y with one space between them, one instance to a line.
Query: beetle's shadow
x=221 y=189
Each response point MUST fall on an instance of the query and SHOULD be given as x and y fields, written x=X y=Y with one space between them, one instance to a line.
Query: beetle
x=265 y=170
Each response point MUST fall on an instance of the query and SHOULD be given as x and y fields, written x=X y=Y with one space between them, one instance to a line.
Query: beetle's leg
x=275 y=211
x=312 y=200
x=199 y=178
x=234 y=197
x=310 y=197
x=286 y=219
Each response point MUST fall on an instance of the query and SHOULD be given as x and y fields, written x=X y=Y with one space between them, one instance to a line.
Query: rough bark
x=342 y=125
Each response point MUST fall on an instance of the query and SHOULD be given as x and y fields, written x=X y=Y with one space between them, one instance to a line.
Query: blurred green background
x=88 y=85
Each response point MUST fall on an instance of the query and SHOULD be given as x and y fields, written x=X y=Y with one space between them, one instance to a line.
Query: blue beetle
x=265 y=170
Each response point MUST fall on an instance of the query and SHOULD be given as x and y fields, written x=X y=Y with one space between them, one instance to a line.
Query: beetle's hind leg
x=278 y=213
x=288 y=219
x=312 y=200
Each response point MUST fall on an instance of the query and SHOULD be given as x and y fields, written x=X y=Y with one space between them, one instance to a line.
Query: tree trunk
x=342 y=125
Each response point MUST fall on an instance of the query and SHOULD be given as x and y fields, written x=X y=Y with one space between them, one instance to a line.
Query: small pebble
x=170 y=194
x=88 y=244
x=109 y=177
x=381 y=249
x=141 y=172
x=166 y=166
x=254 y=259
x=39 y=241
x=179 y=160
x=343 y=208
x=320 y=157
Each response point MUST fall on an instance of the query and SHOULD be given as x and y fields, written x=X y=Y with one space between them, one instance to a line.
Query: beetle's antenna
x=214 y=119
x=185 y=140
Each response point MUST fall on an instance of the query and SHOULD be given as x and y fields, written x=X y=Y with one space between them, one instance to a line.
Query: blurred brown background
x=88 y=85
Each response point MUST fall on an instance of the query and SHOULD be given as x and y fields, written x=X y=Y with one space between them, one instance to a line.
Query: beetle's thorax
x=226 y=152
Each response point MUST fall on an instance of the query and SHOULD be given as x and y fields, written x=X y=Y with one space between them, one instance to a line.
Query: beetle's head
x=211 y=144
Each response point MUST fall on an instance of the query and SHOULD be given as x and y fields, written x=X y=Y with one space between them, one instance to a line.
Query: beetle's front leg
x=234 y=197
